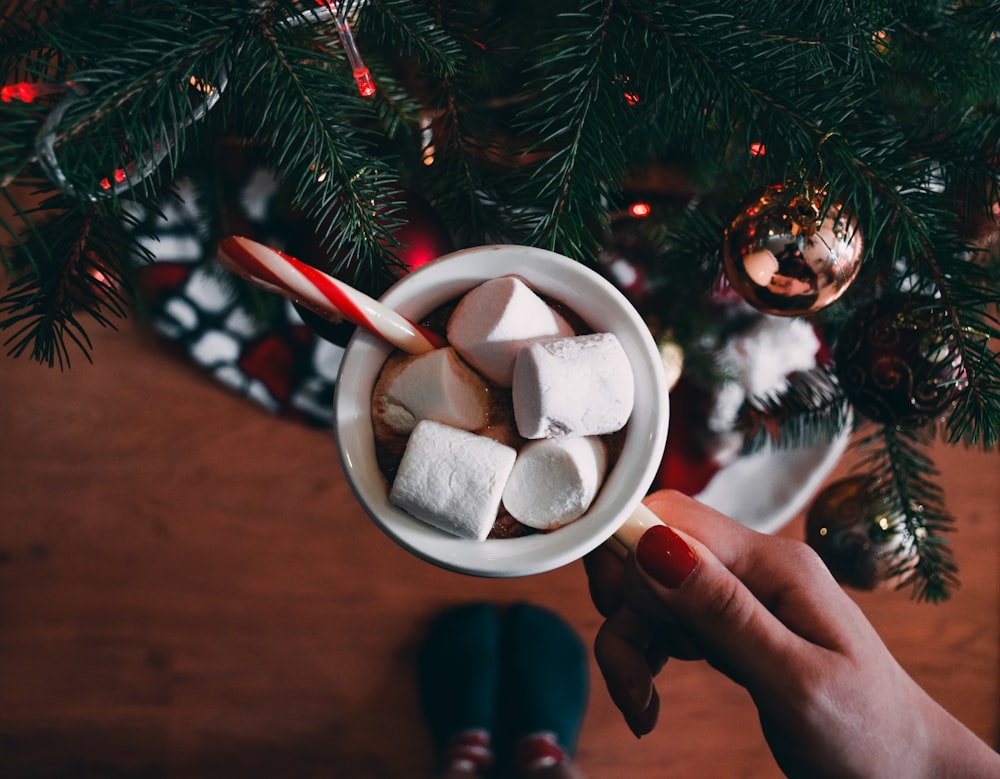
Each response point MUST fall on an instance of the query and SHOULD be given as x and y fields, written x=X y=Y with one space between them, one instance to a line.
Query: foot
x=545 y=686
x=458 y=665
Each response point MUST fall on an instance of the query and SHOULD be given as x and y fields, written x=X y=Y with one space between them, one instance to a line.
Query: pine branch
x=408 y=28
x=909 y=503
x=575 y=111
x=454 y=127
x=761 y=64
x=321 y=141
x=973 y=300
x=76 y=270
x=130 y=103
x=811 y=411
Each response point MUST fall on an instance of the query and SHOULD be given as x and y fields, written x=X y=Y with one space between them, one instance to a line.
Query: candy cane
x=324 y=295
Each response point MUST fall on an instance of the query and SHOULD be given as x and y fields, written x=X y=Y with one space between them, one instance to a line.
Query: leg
x=544 y=687
x=457 y=678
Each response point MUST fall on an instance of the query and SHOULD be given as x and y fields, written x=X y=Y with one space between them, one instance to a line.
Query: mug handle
x=627 y=536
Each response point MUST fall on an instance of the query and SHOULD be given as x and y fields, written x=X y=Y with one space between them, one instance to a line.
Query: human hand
x=766 y=612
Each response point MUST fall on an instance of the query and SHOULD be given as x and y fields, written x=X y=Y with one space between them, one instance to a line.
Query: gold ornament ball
x=783 y=259
x=861 y=550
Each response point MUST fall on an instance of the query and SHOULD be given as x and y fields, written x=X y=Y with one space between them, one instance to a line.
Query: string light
x=630 y=95
x=119 y=176
x=124 y=178
x=27 y=92
x=138 y=170
x=362 y=76
x=639 y=210
x=758 y=149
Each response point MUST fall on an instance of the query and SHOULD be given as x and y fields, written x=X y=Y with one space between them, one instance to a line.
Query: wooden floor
x=187 y=589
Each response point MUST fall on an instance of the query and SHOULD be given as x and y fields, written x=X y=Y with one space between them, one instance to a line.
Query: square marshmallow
x=452 y=479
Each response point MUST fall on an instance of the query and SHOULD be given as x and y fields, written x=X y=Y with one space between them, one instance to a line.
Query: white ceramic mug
x=604 y=309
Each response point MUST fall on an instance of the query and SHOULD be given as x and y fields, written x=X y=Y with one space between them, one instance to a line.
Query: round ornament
x=424 y=236
x=894 y=363
x=783 y=258
x=861 y=550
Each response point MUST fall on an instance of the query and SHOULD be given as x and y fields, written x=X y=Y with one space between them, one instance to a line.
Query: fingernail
x=663 y=555
x=633 y=705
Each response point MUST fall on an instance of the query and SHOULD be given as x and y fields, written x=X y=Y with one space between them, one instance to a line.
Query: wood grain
x=188 y=589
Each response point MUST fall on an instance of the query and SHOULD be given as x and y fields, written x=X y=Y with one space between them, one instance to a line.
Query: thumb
x=736 y=632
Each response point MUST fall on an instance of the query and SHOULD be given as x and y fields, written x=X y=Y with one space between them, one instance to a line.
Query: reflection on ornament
x=97 y=283
x=761 y=266
x=894 y=363
x=783 y=259
x=861 y=549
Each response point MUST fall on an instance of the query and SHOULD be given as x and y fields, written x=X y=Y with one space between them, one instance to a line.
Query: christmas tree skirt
x=765 y=490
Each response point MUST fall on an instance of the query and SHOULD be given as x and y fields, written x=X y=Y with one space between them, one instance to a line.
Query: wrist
x=954 y=751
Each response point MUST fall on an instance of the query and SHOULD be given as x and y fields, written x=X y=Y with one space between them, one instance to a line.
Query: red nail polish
x=663 y=555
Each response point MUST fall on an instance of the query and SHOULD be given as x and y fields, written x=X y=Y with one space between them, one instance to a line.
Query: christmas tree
x=834 y=163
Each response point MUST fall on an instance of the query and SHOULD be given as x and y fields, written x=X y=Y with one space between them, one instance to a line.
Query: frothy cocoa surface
x=499 y=423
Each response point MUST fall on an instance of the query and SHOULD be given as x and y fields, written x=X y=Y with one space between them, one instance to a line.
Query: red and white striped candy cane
x=326 y=296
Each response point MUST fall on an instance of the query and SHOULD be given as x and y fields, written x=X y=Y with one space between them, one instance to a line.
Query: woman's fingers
x=620 y=653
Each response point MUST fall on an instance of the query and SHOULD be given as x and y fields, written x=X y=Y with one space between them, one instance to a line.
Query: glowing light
x=98 y=276
x=630 y=95
x=757 y=149
x=420 y=255
x=639 y=210
x=119 y=176
x=427 y=140
x=881 y=40
x=362 y=76
x=202 y=86
x=28 y=93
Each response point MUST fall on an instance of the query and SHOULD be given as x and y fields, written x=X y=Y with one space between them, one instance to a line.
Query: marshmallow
x=452 y=479
x=436 y=385
x=554 y=481
x=578 y=386
x=494 y=320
